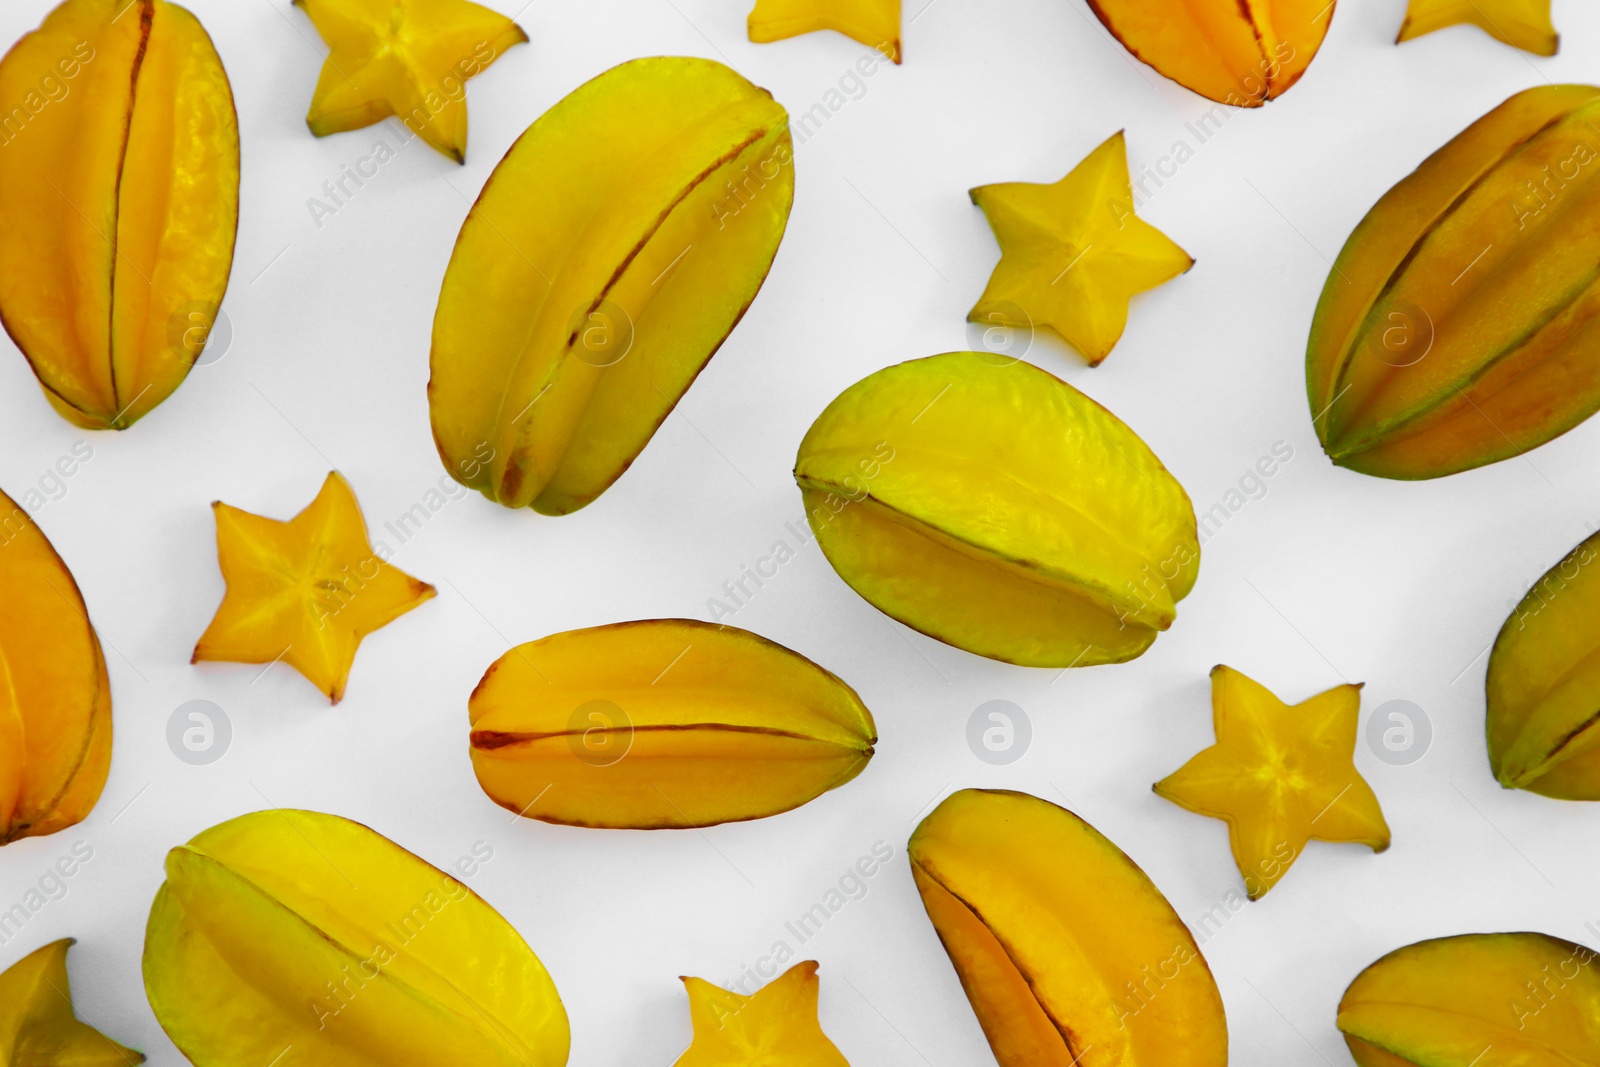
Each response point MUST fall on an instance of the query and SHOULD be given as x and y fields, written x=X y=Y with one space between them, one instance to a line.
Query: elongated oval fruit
x=1458 y=326
x=298 y=930
x=55 y=695
x=119 y=201
x=1067 y=951
x=1476 y=1000
x=996 y=508
x=1543 y=688
x=609 y=256
x=1239 y=52
x=662 y=724
x=38 y=1027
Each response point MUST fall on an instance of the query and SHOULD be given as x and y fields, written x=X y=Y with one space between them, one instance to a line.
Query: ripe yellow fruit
x=38 y=1027
x=1458 y=326
x=55 y=695
x=119 y=201
x=293 y=929
x=1476 y=999
x=1544 y=684
x=609 y=256
x=1239 y=52
x=660 y=724
x=1067 y=951
x=996 y=508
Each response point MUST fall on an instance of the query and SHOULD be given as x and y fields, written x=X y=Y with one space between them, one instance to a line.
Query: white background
x=1330 y=576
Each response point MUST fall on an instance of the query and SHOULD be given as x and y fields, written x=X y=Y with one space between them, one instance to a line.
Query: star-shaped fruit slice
x=407 y=58
x=875 y=23
x=37 y=1023
x=777 y=1027
x=1073 y=254
x=304 y=591
x=1279 y=775
x=1523 y=24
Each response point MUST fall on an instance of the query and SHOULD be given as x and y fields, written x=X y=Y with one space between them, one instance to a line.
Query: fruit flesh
x=407 y=58
x=650 y=201
x=1239 y=52
x=775 y=1027
x=118 y=205
x=306 y=591
x=37 y=1023
x=1279 y=775
x=1073 y=253
x=998 y=509
x=290 y=928
x=1543 y=684
x=55 y=695
x=1457 y=326
x=1055 y=932
x=662 y=724
x=1495 y=1000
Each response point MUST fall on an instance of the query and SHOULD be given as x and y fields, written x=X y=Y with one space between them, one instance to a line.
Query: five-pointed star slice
x=875 y=23
x=37 y=1023
x=1073 y=253
x=1523 y=24
x=777 y=1027
x=1280 y=776
x=408 y=58
x=305 y=591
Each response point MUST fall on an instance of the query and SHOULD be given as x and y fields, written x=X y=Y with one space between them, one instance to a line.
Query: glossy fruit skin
x=874 y=23
x=1543 y=684
x=406 y=58
x=663 y=724
x=137 y=142
x=1489 y=1000
x=55 y=694
x=1238 y=52
x=295 y=928
x=1067 y=951
x=1458 y=326
x=1523 y=24
x=38 y=1026
x=610 y=254
x=994 y=507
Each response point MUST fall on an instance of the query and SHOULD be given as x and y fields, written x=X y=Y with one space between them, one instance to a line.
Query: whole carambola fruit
x=1458 y=326
x=55 y=695
x=1543 y=688
x=119 y=202
x=609 y=256
x=1067 y=951
x=996 y=508
x=297 y=930
x=1476 y=1000
x=663 y=723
